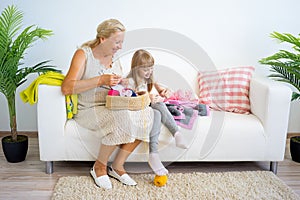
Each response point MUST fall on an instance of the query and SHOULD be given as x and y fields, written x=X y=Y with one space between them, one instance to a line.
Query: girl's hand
x=165 y=93
x=124 y=82
x=156 y=98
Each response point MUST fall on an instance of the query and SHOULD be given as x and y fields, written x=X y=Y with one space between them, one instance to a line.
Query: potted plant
x=285 y=66
x=12 y=51
x=295 y=148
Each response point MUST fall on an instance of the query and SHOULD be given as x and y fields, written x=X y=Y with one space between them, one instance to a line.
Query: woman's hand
x=109 y=79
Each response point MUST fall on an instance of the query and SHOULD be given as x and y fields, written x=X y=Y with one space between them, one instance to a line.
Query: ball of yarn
x=160 y=181
x=113 y=93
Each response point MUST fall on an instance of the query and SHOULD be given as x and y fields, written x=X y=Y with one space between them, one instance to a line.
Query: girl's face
x=145 y=72
x=113 y=43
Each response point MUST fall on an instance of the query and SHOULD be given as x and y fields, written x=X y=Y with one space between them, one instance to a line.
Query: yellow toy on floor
x=160 y=181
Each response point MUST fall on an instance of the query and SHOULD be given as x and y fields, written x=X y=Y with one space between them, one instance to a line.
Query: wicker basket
x=127 y=103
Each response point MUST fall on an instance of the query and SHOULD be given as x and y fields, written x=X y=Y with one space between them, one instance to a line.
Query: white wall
x=232 y=32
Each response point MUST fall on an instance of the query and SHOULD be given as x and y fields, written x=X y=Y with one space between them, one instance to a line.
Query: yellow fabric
x=30 y=94
x=71 y=104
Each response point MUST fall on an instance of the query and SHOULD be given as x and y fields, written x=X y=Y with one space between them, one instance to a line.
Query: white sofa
x=222 y=136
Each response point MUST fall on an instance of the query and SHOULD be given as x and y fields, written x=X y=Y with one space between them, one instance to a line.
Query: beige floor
x=27 y=180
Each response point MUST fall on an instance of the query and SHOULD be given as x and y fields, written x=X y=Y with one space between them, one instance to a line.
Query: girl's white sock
x=156 y=165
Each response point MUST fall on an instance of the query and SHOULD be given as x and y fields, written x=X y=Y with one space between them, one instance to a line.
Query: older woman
x=92 y=71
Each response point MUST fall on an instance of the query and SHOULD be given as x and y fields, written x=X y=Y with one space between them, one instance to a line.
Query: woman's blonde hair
x=141 y=58
x=105 y=30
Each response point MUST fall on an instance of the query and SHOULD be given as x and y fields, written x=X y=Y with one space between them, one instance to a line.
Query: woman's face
x=113 y=43
x=145 y=72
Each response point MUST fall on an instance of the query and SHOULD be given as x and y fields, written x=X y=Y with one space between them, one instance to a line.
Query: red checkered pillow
x=226 y=89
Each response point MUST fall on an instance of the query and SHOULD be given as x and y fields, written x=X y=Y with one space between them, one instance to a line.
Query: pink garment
x=181 y=95
x=190 y=117
x=190 y=109
x=187 y=115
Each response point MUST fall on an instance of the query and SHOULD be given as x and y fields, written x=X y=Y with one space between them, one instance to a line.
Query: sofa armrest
x=51 y=114
x=270 y=102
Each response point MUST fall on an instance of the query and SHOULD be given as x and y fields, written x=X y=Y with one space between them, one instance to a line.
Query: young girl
x=140 y=78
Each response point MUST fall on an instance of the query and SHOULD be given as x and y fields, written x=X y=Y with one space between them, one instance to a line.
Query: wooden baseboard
x=35 y=133
x=28 y=133
x=289 y=135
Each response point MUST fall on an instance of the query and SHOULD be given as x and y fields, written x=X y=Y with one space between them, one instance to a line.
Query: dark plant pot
x=295 y=148
x=15 y=151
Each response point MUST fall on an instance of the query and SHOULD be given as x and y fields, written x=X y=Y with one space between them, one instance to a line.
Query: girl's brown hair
x=141 y=58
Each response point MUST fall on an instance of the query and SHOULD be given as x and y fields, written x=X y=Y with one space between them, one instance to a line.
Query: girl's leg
x=168 y=120
x=154 y=160
x=122 y=155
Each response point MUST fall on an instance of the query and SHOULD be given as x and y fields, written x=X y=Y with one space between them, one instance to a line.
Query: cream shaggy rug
x=222 y=185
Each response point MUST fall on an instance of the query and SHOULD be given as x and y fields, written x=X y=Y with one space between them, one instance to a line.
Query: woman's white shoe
x=125 y=178
x=101 y=181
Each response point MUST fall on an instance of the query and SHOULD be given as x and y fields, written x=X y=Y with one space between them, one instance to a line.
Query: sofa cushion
x=226 y=89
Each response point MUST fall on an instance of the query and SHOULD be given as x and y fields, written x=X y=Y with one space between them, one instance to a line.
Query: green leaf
x=295 y=96
x=13 y=45
x=285 y=65
x=286 y=37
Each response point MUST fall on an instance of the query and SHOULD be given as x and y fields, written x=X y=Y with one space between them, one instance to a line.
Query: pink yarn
x=113 y=93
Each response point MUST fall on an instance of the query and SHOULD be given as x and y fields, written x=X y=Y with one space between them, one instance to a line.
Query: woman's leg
x=117 y=170
x=154 y=160
x=100 y=165
x=122 y=155
x=168 y=120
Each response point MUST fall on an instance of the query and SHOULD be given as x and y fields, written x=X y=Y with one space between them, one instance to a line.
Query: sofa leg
x=49 y=167
x=273 y=166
